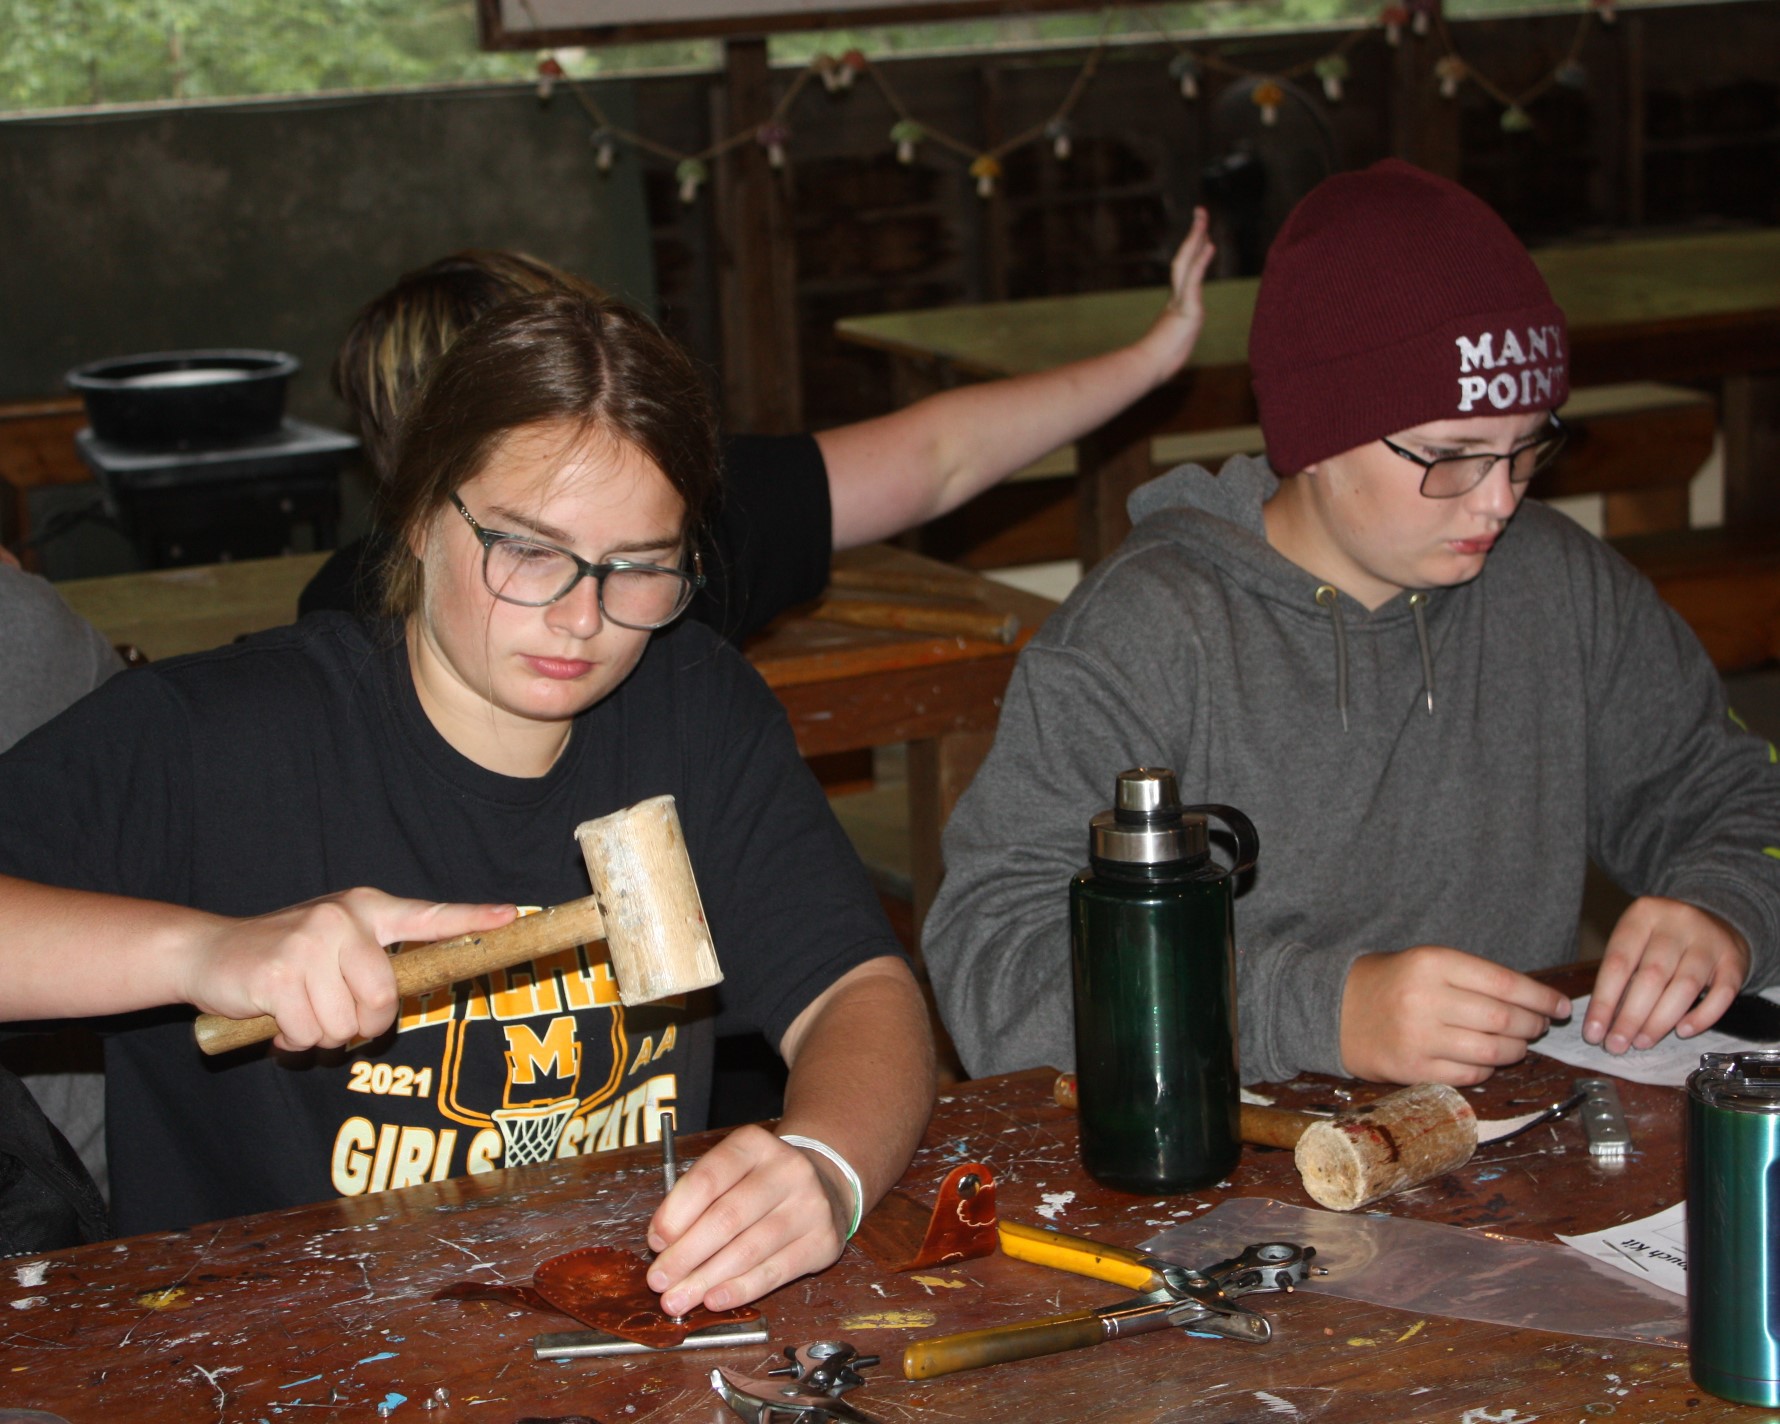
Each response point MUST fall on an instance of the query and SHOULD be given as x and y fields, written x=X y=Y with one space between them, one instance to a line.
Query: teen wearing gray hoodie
x=1435 y=704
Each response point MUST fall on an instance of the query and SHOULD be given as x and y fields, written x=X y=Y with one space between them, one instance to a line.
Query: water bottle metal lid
x=1147 y=825
x=1145 y=793
x=1748 y=1081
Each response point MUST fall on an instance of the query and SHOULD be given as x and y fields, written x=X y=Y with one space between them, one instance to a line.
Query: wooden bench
x=36 y=449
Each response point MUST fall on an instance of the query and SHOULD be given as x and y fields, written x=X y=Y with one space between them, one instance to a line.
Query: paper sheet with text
x=1654 y=1249
x=1666 y=1065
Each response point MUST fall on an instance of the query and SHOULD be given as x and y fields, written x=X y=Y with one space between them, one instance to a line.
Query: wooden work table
x=168 y=612
x=323 y=1312
x=845 y=688
x=1698 y=308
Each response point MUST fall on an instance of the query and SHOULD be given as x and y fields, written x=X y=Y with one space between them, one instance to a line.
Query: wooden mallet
x=1362 y=1153
x=645 y=906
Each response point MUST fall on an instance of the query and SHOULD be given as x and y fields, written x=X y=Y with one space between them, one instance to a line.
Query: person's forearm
x=862 y=1075
x=319 y=967
x=74 y=953
x=893 y=473
x=902 y=469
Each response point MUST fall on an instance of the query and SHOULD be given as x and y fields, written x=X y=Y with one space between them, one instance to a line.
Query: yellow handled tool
x=1079 y=1256
x=1204 y=1302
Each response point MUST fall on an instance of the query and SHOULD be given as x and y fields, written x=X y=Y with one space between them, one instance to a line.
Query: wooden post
x=1633 y=212
x=992 y=211
x=1749 y=415
x=1424 y=127
x=1110 y=463
x=756 y=262
x=939 y=770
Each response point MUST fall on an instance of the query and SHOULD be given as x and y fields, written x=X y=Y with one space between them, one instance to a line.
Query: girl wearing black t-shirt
x=546 y=483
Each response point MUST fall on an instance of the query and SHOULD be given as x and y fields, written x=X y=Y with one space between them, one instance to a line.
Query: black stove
x=238 y=501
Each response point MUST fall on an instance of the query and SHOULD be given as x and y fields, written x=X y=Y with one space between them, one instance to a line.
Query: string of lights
x=1419 y=21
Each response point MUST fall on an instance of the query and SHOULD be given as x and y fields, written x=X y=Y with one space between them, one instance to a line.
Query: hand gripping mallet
x=645 y=905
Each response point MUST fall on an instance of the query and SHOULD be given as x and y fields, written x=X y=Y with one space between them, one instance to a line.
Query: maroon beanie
x=1392 y=298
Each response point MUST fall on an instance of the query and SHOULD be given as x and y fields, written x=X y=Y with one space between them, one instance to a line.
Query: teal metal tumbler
x=1733 y=1225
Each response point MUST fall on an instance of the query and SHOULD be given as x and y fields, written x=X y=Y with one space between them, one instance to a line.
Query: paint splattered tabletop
x=325 y=1312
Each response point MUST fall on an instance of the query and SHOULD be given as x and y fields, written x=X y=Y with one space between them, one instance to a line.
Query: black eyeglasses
x=1452 y=475
x=534 y=574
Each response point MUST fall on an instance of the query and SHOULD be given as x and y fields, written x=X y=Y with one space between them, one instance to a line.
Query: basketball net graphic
x=539 y=1060
x=531 y=1131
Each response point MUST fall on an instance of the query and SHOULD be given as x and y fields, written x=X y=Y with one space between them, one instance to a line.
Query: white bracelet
x=847 y=1171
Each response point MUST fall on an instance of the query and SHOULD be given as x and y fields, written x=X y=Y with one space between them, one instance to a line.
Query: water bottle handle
x=1248 y=843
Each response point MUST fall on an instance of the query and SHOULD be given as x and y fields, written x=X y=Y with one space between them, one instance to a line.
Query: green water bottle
x=1153 y=948
x=1733 y=1225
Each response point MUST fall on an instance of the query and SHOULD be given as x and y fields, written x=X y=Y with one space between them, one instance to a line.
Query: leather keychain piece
x=609 y=1290
x=606 y=1289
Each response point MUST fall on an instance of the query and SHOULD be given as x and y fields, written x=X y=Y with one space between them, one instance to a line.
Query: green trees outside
x=60 y=53
x=67 y=53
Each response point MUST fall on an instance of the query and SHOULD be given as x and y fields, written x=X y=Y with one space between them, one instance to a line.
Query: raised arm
x=903 y=469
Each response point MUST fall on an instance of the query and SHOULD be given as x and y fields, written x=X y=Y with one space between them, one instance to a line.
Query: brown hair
x=582 y=362
x=396 y=337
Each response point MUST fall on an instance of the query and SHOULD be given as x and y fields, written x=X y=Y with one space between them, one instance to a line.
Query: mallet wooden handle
x=1259 y=1126
x=1274 y=1127
x=423 y=968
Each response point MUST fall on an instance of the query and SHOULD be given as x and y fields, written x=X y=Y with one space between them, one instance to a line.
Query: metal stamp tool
x=597 y=1344
x=1603 y=1119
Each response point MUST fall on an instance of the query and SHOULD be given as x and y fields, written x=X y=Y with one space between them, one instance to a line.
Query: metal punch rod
x=596 y=1344
x=670 y=1168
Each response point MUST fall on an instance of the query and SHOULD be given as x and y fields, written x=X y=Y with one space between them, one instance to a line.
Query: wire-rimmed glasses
x=1448 y=476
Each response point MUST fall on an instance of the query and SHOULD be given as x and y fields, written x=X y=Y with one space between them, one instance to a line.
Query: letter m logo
x=1479 y=355
x=556 y=1055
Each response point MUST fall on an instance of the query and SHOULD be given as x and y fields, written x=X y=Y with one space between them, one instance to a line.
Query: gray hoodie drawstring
x=1327 y=597
x=1418 y=603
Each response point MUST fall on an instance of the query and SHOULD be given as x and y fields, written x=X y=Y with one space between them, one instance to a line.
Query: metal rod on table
x=670 y=1164
x=596 y=1344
